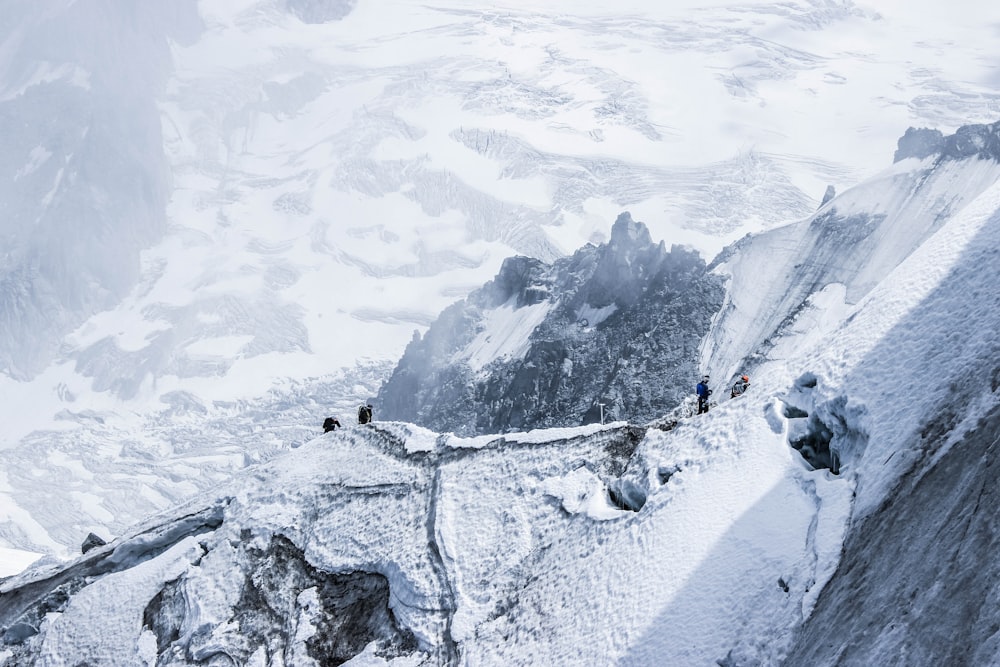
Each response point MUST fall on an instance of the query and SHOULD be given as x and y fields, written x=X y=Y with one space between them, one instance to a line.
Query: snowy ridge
x=489 y=586
x=854 y=241
x=701 y=540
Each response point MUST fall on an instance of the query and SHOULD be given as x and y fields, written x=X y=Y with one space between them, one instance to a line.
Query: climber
x=703 y=393
x=330 y=424
x=365 y=413
x=741 y=386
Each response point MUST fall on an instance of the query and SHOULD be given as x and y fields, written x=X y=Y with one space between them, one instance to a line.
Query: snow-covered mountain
x=836 y=513
x=224 y=219
x=785 y=280
x=618 y=324
x=212 y=199
x=496 y=550
x=611 y=332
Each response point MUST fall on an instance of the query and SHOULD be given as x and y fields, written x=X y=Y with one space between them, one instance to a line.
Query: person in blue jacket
x=703 y=393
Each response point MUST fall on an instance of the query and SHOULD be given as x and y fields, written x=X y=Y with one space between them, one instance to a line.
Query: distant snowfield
x=13 y=561
x=334 y=186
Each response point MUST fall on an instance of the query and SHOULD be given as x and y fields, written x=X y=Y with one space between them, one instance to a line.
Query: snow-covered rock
x=511 y=552
x=805 y=276
x=610 y=332
x=708 y=539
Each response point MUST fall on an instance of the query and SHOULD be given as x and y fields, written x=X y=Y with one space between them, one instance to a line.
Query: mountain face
x=222 y=221
x=547 y=344
x=782 y=281
x=836 y=513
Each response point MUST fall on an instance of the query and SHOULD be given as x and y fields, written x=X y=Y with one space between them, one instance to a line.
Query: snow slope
x=224 y=219
x=701 y=540
x=834 y=258
x=508 y=553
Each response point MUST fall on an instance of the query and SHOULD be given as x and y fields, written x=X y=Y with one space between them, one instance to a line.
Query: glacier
x=225 y=219
x=805 y=522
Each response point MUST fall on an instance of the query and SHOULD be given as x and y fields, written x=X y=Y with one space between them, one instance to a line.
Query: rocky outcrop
x=918 y=578
x=981 y=141
x=620 y=333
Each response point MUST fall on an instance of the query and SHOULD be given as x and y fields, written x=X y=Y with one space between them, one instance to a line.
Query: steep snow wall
x=850 y=244
x=916 y=368
x=917 y=584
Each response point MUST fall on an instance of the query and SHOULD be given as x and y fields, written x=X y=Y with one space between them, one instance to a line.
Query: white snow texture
x=296 y=186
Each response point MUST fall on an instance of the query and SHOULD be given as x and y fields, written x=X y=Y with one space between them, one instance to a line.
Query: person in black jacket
x=365 y=413
x=330 y=424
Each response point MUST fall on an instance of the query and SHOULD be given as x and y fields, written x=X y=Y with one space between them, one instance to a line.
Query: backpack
x=364 y=414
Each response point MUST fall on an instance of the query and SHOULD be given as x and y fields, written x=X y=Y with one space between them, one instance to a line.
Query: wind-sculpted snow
x=548 y=345
x=112 y=471
x=393 y=543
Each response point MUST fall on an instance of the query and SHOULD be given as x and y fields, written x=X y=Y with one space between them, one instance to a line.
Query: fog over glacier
x=223 y=220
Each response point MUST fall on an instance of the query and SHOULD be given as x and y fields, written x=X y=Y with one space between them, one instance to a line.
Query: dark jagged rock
x=830 y=193
x=981 y=141
x=92 y=541
x=622 y=329
x=968 y=141
x=919 y=143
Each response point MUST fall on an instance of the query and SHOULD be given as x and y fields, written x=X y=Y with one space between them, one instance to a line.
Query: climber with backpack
x=365 y=413
x=740 y=386
x=330 y=424
x=703 y=393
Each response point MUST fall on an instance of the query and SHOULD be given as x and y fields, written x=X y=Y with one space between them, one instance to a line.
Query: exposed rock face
x=92 y=541
x=919 y=578
x=545 y=345
x=919 y=143
x=981 y=141
x=830 y=193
